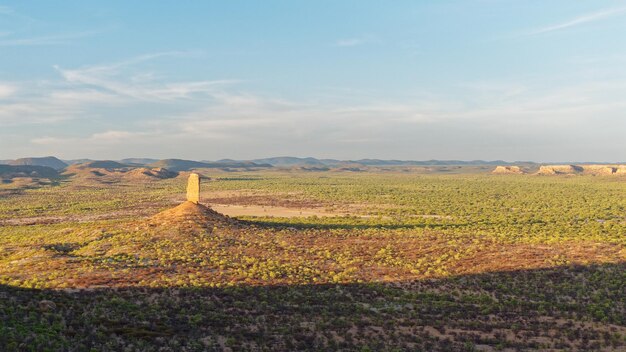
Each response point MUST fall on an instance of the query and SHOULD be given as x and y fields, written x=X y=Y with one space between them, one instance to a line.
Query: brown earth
x=263 y=210
x=189 y=213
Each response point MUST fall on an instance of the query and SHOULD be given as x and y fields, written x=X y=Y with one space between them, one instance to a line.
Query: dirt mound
x=560 y=170
x=508 y=170
x=190 y=214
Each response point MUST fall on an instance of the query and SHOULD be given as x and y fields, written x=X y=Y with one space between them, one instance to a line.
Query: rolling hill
x=12 y=171
x=48 y=161
x=138 y=161
x=288 y=161
x=101 y=164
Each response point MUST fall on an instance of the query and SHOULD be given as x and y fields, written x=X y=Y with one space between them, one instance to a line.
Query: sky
x=487 y=79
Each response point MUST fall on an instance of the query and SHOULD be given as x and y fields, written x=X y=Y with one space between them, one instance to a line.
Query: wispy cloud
x=6 y=90
x=88 y=90
x=112 y=136
x=590 y=17
x=115 y=66
x=32 y=104
x=105 y=137
x=234 y=121
x=56 y=39
x=115 y=79
x=33 y=111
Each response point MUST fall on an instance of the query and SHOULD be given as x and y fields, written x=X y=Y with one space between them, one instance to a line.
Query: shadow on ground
x=562 y=308
x=341 y=223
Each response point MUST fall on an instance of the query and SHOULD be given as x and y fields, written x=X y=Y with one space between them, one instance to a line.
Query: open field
x=316 y=261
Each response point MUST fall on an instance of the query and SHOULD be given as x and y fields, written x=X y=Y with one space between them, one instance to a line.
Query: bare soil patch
x=276 y=211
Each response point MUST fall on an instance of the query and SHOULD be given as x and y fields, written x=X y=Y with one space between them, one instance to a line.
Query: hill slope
x=101 y=164
x=48 y=161
x=138 y=161
x=11 y=171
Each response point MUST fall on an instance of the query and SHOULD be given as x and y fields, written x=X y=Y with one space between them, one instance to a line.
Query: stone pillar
x=193 y=188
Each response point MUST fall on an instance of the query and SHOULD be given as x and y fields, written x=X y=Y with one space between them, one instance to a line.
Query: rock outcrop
x=193 y=188
x=560 y=170
x=605 y=169
x=585 y=169
x=508 y=170
x=596 y=170
x=600 y=169
x=191 y=214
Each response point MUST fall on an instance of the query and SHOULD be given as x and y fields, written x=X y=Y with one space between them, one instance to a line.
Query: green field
x=430 y=262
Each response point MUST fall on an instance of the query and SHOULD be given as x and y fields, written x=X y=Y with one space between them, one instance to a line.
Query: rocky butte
x=191 y=215
x=193 y=188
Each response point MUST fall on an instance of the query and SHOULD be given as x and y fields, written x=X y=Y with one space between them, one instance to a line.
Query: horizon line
x=323 y=158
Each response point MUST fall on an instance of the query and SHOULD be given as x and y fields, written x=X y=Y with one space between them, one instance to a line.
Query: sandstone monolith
x=193 y=188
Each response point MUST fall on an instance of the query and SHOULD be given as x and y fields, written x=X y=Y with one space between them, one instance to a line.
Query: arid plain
x=110 y=256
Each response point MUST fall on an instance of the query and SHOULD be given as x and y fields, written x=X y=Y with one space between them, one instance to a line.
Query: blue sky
x=513 y=80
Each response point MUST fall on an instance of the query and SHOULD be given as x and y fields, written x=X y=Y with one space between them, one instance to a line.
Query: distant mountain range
x=184 y=165
x=48 y=161
x=288 y=161
x=101 y=164
x=283 y=161
x=170 y=164
x=138 y=161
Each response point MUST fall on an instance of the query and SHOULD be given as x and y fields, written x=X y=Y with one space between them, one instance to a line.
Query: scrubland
x=461 y=262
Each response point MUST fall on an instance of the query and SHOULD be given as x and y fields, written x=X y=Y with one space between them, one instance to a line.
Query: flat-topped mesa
x=560 y=170
x=193 y=188
x=508 y=170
